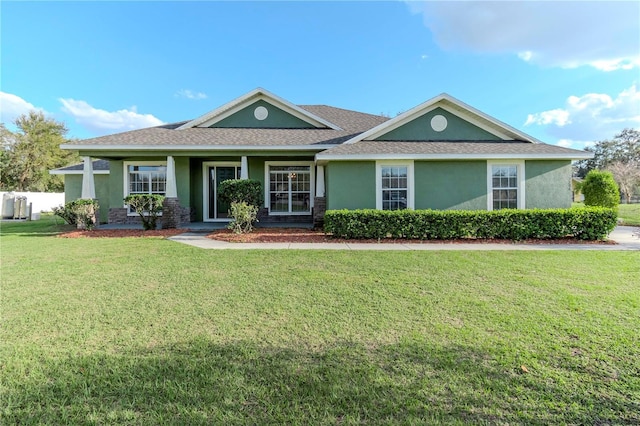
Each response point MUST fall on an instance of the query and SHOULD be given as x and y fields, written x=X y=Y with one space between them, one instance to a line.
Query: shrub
x=241 y=190
x=148 y=206
x=600 y=189
x=81 y=212
x=584 y=223
x=66 y=213
x=244 y=215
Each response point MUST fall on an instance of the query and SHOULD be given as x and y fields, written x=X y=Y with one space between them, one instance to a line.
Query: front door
x=216 y=174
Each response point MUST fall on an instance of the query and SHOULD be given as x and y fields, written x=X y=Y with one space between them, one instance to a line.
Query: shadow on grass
x=204 y=383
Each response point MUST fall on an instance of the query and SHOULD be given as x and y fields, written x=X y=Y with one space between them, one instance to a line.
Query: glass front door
x=218 y=174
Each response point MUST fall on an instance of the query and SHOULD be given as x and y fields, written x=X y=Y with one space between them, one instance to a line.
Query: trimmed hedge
x=589 y=223
x=241 y=190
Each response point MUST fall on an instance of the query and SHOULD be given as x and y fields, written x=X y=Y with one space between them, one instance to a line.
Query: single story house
x=442 y=154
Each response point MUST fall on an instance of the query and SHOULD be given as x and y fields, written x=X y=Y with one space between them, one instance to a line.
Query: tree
x=28 y=154
x=627 y=175
x=600 y=189
x=623 y=148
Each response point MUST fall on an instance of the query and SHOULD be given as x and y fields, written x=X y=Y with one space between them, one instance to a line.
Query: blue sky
x=564 y=72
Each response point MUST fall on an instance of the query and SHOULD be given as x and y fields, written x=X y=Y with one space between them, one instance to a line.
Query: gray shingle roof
x=98 y=165
x=453 y=148
x=352 y=122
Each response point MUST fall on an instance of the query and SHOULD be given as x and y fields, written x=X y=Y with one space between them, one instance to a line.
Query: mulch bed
x=121 y=233
x=295 y=235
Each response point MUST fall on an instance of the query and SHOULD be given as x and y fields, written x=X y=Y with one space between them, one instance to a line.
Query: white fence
x=41 y=202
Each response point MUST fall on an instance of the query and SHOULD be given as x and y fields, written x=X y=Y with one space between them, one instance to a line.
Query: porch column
x=244 y=168
x=320 y=181
x=319 y=201
x=88 y=184
x=171 y=190
x=171 y=210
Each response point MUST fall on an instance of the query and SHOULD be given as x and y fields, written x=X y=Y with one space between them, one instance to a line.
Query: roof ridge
x=343 y=109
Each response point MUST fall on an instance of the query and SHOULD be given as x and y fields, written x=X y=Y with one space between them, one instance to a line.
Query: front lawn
x=629 y=214
x=149 y=331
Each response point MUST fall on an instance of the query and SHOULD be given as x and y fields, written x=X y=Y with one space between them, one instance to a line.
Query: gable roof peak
x=456 y=107
x=248 y=98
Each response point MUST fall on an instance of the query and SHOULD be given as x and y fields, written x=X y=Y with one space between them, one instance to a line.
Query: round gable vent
x=439 y=123
x=260 y=113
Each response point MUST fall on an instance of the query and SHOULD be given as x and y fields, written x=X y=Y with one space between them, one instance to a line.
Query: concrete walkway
x=623 y=235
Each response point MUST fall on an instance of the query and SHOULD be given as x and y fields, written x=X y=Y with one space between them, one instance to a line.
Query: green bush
x=81 y=213
x=148 y=206
x=244 y=215
x=590 y=223
x=241 y=190
x=600 y=189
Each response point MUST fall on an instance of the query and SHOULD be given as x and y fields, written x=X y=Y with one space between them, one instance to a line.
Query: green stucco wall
x=444 y=185
x=420 y=130
x=548 y=184
x=116 y=184
x=276 y=119
x=183 y=180
x=351 y=185
x=73 y=191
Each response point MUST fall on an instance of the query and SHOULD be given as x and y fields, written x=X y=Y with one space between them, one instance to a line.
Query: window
x=505 y=188
x=143 y=178
x=394 y=186
x=290 y=189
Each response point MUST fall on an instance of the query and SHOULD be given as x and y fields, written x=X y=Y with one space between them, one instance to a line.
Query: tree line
x=27 y=155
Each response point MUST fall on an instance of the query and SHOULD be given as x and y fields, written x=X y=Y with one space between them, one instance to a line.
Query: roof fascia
x=453 y=106
x=259 y=93
x=363 y=157
x=107 y=148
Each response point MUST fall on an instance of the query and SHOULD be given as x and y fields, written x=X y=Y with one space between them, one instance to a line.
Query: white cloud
x=190 y=94
x=12 y=106
x=101 y=122
x=604 y=35
x=559 y=117
x=591 y=117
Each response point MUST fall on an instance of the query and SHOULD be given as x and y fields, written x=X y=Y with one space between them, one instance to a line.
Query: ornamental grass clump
x=244 y=216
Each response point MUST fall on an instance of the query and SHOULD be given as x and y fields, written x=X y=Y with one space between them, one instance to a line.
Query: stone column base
x=319 y=208
x=171 y=213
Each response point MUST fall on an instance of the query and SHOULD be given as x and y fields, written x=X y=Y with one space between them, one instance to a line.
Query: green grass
x=629 y=214
x=148 y=331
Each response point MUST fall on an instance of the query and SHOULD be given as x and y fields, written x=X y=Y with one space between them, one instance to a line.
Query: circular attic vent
x=261 y=113
x=439 y=123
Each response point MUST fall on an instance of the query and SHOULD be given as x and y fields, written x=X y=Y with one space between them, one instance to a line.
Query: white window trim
x=521 y=180
x=126 y=182
x=205 y=187
x=410 y=181
x=267 y=195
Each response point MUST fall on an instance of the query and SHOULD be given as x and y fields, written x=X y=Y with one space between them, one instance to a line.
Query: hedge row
x=589 y=223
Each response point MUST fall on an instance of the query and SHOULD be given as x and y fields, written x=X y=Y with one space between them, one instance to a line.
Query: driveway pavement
x=626 y=237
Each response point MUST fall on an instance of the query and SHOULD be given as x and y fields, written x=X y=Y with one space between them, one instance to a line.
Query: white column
x=244 y=168
x=88 y=185
x=172 y=191
x=320 y=181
